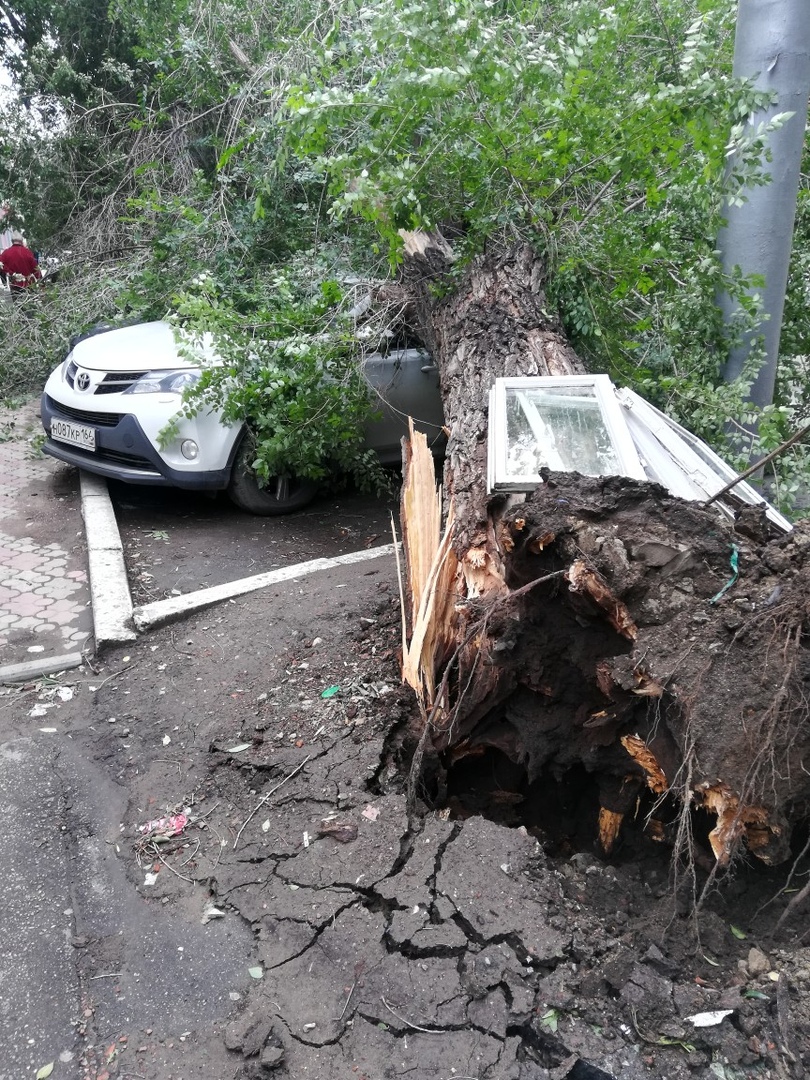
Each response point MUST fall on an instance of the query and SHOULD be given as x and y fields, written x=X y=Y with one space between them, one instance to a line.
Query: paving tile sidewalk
x=44 y=595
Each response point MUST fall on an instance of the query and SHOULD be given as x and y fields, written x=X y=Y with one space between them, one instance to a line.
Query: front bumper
x=124 y=452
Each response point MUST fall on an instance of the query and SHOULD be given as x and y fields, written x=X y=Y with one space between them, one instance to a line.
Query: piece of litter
x=65 y=693
x=371 y=813
x=45 y=1071
x=36 y=648
x=256 y=972
x=773 y=976
x=266 y=825
x=709 y=1019
x=172 y=825
x=306 y=839
x=166 y=740
x=308 y=1027
x=39 y=710
x=238 y=748
x=48 y=730
x=150 y=879
x=330 y=691
x=505 y=867
x=343 y=832
x=212 y=912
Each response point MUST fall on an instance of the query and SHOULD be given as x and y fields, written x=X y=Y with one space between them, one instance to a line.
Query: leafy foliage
x=599 y=134
x=220 y=163
x=290 y=372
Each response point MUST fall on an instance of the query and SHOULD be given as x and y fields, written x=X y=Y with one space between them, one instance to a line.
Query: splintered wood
x=640 y=753
x=610 y=823
x=431 y=572
x=583 y=579
x=735 y=820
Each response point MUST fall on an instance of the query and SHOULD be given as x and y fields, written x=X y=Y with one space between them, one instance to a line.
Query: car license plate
x=75 y=434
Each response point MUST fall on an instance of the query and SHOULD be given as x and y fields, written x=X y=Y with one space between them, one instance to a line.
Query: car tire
x=281 y=494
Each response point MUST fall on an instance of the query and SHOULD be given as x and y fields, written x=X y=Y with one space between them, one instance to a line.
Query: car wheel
x=281 y=494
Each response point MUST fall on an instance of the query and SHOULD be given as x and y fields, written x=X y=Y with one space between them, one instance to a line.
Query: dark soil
x=447 y=945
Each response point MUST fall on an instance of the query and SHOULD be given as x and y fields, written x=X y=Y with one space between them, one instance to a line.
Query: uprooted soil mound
x=648 y=671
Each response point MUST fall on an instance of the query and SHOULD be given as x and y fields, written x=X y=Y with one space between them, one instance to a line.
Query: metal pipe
x=772 y=48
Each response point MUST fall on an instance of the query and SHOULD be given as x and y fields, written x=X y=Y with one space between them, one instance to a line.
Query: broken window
x=568 y=423
x=582 y=423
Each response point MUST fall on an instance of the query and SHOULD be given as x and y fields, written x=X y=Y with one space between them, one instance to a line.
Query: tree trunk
x=589 y=661
x=496 y=324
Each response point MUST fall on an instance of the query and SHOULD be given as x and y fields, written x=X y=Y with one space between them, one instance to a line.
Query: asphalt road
x=64 y=885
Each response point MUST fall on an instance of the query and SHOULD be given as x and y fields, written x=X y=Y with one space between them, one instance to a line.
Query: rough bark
x=495 y=324
x=591 y=639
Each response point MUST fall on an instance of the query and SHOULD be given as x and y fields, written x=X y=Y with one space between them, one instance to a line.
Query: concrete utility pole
x=772 y=48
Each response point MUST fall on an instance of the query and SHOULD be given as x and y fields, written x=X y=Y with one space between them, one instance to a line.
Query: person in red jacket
x=18 y=265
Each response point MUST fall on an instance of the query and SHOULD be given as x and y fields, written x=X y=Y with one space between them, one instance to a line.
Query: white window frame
x=620 y=437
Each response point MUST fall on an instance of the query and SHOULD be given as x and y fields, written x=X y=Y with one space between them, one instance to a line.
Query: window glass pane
x=560 y=427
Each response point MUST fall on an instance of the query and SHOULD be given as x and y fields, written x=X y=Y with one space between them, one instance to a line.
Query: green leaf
x=45 y=1071
x=737 y=932
x=757 y=995
x=330 y=691
x=550 y=1020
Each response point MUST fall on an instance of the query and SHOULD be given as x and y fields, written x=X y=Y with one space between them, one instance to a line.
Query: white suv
x=104 y=407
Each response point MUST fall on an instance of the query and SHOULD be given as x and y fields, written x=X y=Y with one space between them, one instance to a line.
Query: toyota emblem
x=83 y=381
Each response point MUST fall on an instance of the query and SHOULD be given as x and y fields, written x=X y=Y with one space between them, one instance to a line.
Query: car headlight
x=163 y=382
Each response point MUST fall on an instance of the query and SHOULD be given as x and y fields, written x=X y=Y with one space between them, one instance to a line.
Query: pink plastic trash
x=165 y=826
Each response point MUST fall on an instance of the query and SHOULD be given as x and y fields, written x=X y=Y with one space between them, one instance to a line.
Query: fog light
x=189 y=449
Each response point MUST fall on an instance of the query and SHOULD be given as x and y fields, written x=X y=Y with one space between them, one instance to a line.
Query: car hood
x=151 y=346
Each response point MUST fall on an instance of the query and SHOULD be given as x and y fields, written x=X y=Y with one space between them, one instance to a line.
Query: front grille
x=118 y=381
x=133 y=461
x=84 y=416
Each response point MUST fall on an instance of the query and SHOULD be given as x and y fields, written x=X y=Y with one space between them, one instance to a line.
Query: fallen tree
x=600 y=651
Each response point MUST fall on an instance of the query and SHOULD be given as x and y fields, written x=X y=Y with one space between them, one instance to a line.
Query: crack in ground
x=88 y=1035
x=551 y=1053
x=316 y=934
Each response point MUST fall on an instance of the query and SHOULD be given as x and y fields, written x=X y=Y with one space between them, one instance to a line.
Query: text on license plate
x=76 y=434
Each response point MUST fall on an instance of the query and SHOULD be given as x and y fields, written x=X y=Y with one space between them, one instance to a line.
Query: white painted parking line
x=162 y=611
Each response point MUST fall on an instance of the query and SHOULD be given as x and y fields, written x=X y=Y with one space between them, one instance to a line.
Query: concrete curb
x=114 y=618
x=109 y=588
x=34 y=669
x=163 y=611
